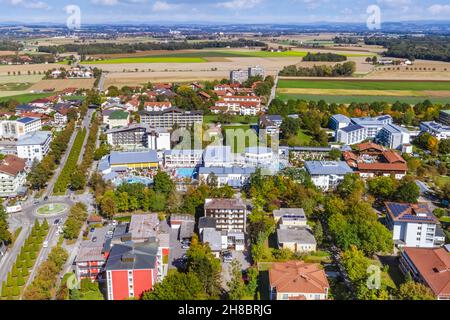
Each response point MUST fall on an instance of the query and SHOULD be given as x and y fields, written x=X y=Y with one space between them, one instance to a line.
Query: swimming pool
x=185 y=172
x=133 y=179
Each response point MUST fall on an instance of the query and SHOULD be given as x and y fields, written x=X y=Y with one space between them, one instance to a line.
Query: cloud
x=105 y=2
x=29 y=4
x=239 y=4
x=164 y=6
x=400 y=4
x=439 y=9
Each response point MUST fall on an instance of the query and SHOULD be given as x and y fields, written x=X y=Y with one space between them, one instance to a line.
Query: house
x=413 y=225
x=176 y=220
x=440 y=131
x=215 y=239
x=60 y=117
x=182 y=158
x=243 y=105
x=117 y=118
x=297 y=213
x=230 y=214
x=296 y=239
x=297 y=280
x=270 y=123
x=12 y=175
x=131 y=269
x=42 y=103
x=393 y=136
x=235 y=177
x=170 y=117
x=430 y=267
x=327 y=174
x=34 y=146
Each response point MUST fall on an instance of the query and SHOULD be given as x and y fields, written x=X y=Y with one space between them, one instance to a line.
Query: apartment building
x=238 y=76
x=235 y=177
x=139 y=135
x=230 y=214
x=185 y=158
x=393 y=136
x=34 y=146
x=327 y=174
x=168 y=118
x=12 y=175
x=14 y=129
x=444 y=117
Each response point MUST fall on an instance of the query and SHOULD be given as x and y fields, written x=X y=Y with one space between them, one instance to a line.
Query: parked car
x=92 y=230
x=45 y=244
x=45 y=198
x=94 y=239
x=56 y=222
x=185 y=244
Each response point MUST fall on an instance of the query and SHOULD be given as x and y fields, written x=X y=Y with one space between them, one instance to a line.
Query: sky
x=222 y=11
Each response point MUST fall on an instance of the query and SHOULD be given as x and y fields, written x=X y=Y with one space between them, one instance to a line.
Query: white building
x=351 y=134
x=185 y=158
x=393 y=136
x=356 y=130
x=12 y=176
x=218 y=156
x=327 y=174
x=414 y=225
x=235 y=177
x=34 y=145
x=373 y=124
x=256 y=71
x=339 y=121
x=13 y=129
x=440 y=131
x=238 y=76
x=258 y=157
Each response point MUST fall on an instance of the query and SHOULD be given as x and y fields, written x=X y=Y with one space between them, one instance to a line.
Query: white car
x=45 y=244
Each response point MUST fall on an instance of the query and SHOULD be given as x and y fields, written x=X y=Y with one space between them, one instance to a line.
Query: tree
x=77 y=180
x=382 y=187
x=444 y=146
x=318 y=232
x=351 y=187
x=163 y=183
x=412 y=290
x=236 y=285
x=408 y=191
x=335 y=154
x=108 y=204
x=177 y=286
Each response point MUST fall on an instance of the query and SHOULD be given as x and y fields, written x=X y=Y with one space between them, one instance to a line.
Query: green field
x=26 y=97
x=365 y=85
x=150 y=59
x=360 y=99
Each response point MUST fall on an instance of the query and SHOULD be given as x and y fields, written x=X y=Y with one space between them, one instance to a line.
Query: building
x=157 y=105
x=131 y=269
x=238 y=76
x=218 y=156
x=235 y=177
x=12 y=175
x=124 y=161
x=139 y=135
x=327 y=174
x=373 y=124
x=14 y=129
x=270 y=123
x=440 y=131
x=117 y=118
x=290 y=213
x=168 y=118
x=413 y=225
x=182 y=158
x=296 y=239
x=339 y=121
x=259 y=157
x=351 y=134
x=91 y=257
x=256 y=71
x=34 y=146
x=297 y=280
x=230 y=214
x=393 y=136
x=444 y=117
x=430 y=267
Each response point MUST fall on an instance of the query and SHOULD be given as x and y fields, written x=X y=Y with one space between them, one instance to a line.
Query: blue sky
x=223 y=11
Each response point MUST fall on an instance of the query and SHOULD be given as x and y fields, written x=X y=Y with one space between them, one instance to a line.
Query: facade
x=297 y=280
x=34 y=145
x=258 y=157
x=243 y=105
x=339 y=121
x=413 y=225
x=393 y=136
x=12 y=175
x=238 y=76
x=124 y=161
x=444 y=117
x=90 y=261
x=351 y=134
x=230 y=214
x=440 y=131
x=182 y=158
x=139 y=136
x=270 y=123
x=295 y=213
x=373 y=124
x=218 y=156
x=430 y=267
x=296 y=239
x=168 y=118
x=256 y=71
x=157 y=106
x=235 y=177
x=118 y=118
x=327 y=174
x=14 y=129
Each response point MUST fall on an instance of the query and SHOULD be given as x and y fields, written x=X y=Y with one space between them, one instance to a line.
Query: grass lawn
x=365 y=85
x=147 y=60
x=301 y=139
x=212 y=118
x=26 y=97
x=359 y=99
x=441 y=181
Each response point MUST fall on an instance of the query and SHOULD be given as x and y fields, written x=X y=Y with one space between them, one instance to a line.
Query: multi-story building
x=238 y=76
x=12 y=175
x=218 y=156
x=444 y=117
x=351 y=134
x=413 y=225
x=92 y=255
x=34 y=145
x=182 y=158
x=430 y=267
x=14 y=129
x=230 y=214
x=271 y=123
x=256 y=71
x=440 y=131
x=235 y=177
x=373 y=124
x=327 y=174
x=137 y=136
x=297 y=280
x=339 y=121
x=117 y=118
x=258 y=157
x=168 y=118
x=157 y=105
x=393 y=136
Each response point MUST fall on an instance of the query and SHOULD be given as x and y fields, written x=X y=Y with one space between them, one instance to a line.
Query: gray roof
x=143 y=226
x=393 y=128
x=295 y=234
x=133 y=157
x=133 y=256
x=207 y=222
x=187 y=229
x=213 y=238
x=27 y=120
x=289 y=212
x=220 y=171
x=327 y=167
x=341 y=118
x=311 y=149
x=352 y=127
x=34 y=138
x=170 y=110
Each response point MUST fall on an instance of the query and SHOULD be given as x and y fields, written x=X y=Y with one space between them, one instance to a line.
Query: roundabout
x=51 y=209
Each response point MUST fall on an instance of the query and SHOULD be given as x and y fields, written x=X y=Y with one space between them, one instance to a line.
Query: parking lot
x=242 y=257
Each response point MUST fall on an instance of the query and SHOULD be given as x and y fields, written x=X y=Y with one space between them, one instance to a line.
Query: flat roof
x=34 y=138
x=117 y=158
x=327 y=167
x=295 y=234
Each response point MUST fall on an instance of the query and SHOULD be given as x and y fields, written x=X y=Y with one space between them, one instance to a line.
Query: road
x=274 y=91
x=101 y=82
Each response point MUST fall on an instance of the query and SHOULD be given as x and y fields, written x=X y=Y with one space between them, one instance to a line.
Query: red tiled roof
x=370 y=145
x=298 y=276
x=12 y=165
x=434 y=267
x=381 y=166
x=393 y=157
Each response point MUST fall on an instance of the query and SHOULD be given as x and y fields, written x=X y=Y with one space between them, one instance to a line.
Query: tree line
x=339 y=70
x=328 y=56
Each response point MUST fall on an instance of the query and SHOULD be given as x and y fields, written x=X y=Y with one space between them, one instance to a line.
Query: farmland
x=148 y=60
x=23 y=98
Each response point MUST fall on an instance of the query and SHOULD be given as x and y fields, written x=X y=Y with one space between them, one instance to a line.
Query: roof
x=207 y=222
x=234 y=204
x=131 y=127
x=301 y=235
x=223 y=171
x=34 y=138
x=213 y=238
x=410 y=212
x=327 y=167
x=187 y=229
x=143 y=226
x=393 y=128
x=298 y=276
x=370 y=145
x=198 y=152
x=12 y=165
x=133 y=256
x=352 y=127
x=170 y=110
x=26 y=120
x=341 y=118
x=289 y=212
x=117 y=158
x=181 y=217
x=119 y=115
x=433 y=266
x=88 y=253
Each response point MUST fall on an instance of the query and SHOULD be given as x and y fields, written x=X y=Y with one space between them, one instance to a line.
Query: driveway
x=242 y=257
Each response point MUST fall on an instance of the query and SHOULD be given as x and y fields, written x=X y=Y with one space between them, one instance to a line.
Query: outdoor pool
x=185 y=172
x=133 y=179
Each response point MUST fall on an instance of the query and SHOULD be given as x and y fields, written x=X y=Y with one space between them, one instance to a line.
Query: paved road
x=274 y=90
x=86 y=125
x=101 y=82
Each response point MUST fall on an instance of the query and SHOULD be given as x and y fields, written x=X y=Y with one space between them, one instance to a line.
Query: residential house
x=230 y=214
x=117 y=118
x=327 y=174
x=157 y=105
x=12 y=175
x=270 y=123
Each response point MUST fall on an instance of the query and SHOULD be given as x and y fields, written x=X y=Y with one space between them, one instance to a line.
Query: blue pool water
x=146 y=181
x=185 y=172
